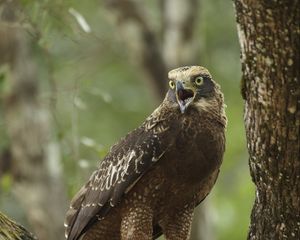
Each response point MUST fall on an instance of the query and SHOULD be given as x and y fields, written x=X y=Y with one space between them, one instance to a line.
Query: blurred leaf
x=83 y=163
x=78 y=102
x=80 y=20
x=6 y=182
x=89 y=142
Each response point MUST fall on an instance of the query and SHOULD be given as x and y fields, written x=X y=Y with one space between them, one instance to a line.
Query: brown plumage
x=152 y=179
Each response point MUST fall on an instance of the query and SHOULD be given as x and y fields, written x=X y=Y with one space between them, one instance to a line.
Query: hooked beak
x=184 y=96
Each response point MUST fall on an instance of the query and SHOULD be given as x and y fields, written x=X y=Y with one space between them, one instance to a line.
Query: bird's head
x=193 y=86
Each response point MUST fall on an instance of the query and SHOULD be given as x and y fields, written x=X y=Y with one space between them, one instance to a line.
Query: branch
x=179 y=24
x=12 y=230
x=141 y=41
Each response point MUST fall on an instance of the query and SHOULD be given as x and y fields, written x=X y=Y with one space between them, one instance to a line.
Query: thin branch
x=12 y=230
x=141 y=41
x=178 y=30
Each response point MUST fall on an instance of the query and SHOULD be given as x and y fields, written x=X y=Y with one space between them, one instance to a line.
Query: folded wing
x=124 y=165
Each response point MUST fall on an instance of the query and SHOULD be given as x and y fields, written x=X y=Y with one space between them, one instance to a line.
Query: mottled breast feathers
x=126 y=162
x=185 y=139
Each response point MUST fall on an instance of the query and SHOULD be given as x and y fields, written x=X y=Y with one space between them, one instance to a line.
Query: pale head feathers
x=213 y=104
x=187 y=72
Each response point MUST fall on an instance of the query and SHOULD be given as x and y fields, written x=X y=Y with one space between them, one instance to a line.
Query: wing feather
x=124 y=165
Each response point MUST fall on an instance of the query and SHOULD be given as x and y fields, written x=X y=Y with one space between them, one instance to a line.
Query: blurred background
x=98 y=69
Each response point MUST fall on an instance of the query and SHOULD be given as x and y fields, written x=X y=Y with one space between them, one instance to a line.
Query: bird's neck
x=211 y=110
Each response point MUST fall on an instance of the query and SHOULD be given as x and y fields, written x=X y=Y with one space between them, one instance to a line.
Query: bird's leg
x=136 y=223
x=177 y=226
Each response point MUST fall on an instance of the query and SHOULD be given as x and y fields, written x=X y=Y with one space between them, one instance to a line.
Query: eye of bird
x=199 y=80
x=172 y=84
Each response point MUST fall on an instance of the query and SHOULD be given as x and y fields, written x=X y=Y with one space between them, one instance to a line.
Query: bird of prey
x=152 y=179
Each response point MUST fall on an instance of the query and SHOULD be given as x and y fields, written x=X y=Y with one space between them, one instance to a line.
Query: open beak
x=184 y=96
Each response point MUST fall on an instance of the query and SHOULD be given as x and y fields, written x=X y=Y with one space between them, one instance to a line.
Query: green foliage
x=5 y=182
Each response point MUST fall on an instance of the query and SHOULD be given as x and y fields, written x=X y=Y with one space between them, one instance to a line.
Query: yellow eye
x=172 y=84
x=199 y=81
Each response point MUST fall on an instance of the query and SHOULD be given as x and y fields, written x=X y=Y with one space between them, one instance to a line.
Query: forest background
x=95 y=89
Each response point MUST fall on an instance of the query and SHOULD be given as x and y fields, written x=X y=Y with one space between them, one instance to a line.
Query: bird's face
x=190 y=85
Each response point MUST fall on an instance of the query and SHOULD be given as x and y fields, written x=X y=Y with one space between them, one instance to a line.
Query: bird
x=152 y=179
x=12 y=230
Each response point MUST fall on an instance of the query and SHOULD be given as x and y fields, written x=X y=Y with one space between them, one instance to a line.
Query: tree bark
x=269 y=35
x=37 y=173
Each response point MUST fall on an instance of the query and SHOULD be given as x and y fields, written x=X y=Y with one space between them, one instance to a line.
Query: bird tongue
x=184 y=94
x=185 y=97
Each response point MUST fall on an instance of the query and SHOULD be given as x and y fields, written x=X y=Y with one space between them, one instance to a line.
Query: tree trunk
x=36 y=166
x=269 y=35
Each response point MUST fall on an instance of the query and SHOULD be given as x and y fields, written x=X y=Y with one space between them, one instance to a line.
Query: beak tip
x=182 y=108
